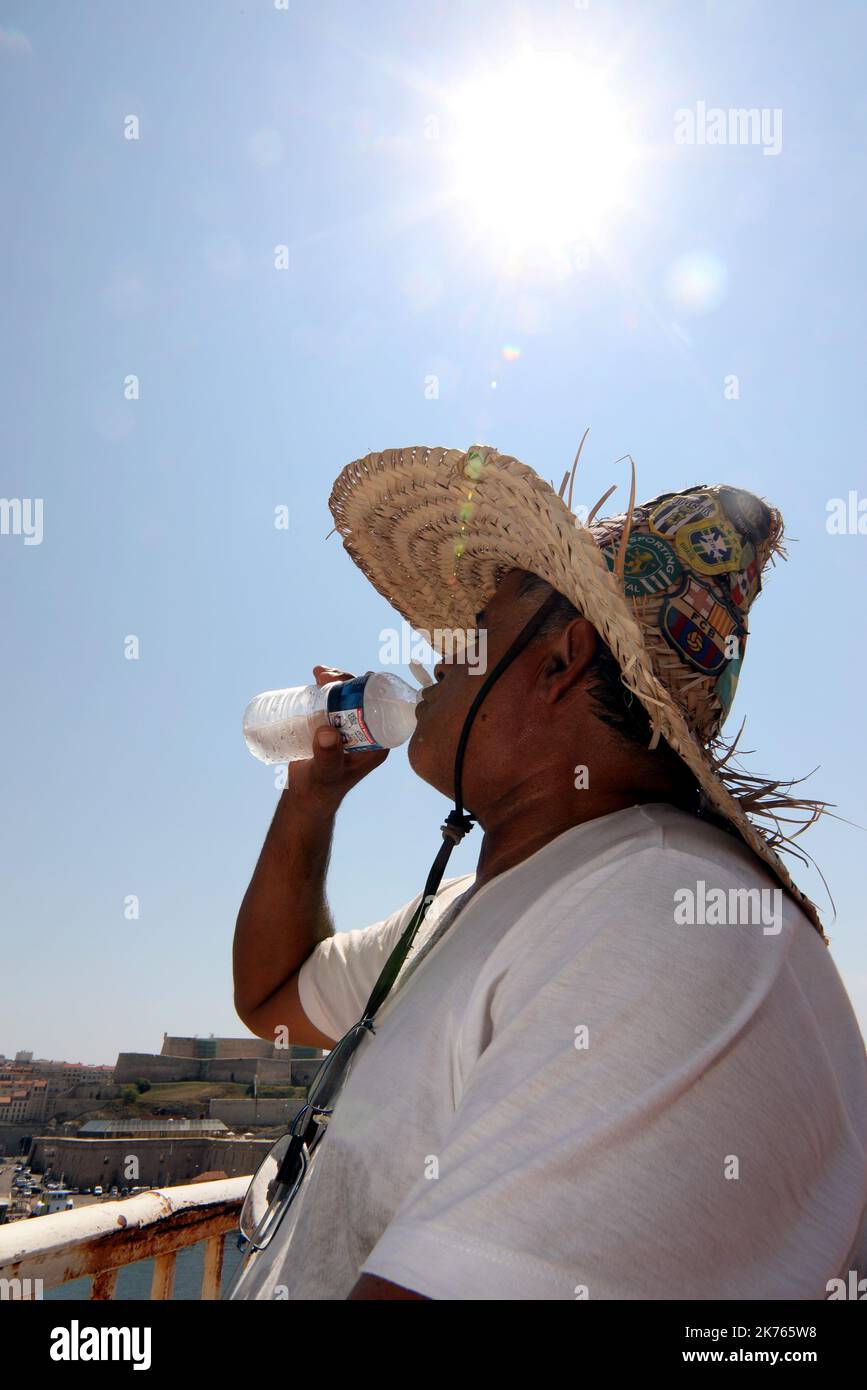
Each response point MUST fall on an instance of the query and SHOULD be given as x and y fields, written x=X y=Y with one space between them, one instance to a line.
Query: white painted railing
x=96 y=1241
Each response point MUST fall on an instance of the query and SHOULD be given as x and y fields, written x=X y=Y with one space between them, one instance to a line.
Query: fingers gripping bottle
x=376 y=710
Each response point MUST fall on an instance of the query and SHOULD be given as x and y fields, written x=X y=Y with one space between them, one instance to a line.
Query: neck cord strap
x=456 y=825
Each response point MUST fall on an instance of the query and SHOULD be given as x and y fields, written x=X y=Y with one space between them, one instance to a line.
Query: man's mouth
x=425 y=701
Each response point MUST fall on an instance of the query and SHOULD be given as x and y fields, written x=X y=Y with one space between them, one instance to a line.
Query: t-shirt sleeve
x=620 y=1122
x=336 y=980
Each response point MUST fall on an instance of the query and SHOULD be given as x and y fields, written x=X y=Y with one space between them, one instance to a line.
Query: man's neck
x=518 y=833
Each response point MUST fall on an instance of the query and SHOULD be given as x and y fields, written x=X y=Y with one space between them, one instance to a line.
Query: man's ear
x=568 y=660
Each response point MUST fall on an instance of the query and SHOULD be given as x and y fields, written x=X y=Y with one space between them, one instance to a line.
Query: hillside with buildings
x=199 y=1105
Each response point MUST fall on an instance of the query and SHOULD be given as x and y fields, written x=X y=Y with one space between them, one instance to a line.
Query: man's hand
x=323 y=780
x=371 y=1287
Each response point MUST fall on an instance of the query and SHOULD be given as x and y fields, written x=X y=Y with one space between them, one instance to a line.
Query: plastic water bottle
x=376 y=710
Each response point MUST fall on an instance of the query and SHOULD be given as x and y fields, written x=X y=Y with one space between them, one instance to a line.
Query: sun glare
x=542 y=154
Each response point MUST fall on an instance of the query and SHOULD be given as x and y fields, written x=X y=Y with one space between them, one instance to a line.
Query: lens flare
x=696 y=283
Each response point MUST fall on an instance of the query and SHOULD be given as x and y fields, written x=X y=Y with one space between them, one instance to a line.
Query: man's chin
x=427 y=761
x=415 y=751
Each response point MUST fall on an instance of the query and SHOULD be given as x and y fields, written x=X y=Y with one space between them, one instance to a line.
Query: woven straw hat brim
x=399 y=514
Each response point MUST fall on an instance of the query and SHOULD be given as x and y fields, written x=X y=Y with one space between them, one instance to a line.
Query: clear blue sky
x=311 y=128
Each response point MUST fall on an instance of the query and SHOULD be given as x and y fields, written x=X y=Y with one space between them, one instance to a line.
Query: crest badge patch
x=698 y=625
x=691 y=508
x=711 y=549
x=651 y=565
x=727 y=683
x=748 y=513
x=747 y=582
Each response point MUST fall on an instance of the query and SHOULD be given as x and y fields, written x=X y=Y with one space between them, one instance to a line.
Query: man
x=619 y=1061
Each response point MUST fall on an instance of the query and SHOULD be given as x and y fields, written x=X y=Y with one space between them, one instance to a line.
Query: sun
x=541 y=153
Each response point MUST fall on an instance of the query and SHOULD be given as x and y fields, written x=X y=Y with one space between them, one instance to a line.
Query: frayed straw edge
x=769 y=799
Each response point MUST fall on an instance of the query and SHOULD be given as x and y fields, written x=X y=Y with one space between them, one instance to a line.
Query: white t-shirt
x=574 y=1092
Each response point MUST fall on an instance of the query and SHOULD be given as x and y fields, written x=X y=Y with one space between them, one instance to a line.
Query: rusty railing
x=96 y=1241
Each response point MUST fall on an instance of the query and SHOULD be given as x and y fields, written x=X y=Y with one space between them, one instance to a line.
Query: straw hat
x=668 y=585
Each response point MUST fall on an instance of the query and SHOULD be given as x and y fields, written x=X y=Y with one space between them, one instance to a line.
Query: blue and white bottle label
x=346 y=713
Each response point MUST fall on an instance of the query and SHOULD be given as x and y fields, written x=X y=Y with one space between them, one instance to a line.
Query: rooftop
x=99 y=1129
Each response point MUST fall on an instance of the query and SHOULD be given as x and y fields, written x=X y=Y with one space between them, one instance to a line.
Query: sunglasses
x=279 y=1176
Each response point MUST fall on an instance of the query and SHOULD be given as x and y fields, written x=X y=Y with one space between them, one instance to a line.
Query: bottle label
x=346 y=713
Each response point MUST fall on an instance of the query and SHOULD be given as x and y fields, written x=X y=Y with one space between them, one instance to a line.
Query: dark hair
x=617 y=707
x=614 y=704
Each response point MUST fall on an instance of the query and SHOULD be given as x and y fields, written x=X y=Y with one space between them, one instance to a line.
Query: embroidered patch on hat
x=650 y=566
x=727 y=683
x=711 y=549
x=749 y=515
x=747 y=582
x=684 y=509
x=698 y=625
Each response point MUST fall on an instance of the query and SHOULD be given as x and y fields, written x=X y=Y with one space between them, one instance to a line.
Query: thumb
x=328 y=755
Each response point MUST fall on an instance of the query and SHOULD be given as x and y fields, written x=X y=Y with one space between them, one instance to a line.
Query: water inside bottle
x=279 y=724
x=286 y=739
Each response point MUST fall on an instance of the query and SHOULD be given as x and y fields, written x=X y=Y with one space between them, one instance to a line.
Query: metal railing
x=97 y=1241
